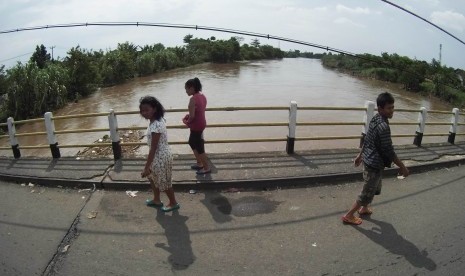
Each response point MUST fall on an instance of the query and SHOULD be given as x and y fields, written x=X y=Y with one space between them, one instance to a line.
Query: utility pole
x=440 y=53
x=52 y=50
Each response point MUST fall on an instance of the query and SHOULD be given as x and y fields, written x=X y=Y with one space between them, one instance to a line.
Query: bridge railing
x=368 y=112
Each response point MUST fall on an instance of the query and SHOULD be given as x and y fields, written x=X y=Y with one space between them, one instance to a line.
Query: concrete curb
x=253 y=184
x=272 y=183
x=54 y=182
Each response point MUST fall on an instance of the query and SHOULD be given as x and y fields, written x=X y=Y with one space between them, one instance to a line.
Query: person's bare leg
x=156 y=192
x=204 y=161
x=365 y=210
x=197 y=158
x=350 y=214
x=170 y=193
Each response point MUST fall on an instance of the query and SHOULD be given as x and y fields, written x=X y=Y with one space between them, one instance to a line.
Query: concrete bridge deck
x=241 y=170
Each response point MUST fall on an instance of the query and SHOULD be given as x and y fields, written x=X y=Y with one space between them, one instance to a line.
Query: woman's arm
x=153 y=149
x=191 y=110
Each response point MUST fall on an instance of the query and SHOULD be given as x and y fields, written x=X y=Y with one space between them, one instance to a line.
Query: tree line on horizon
x=417 y=76
x=42 y=84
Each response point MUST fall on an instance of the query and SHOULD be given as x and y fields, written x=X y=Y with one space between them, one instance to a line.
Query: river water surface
x=262 y=83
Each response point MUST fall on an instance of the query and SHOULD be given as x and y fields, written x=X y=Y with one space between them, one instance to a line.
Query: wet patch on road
x=245 y=207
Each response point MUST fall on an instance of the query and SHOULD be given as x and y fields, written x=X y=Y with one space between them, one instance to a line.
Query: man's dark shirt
x=378 y=151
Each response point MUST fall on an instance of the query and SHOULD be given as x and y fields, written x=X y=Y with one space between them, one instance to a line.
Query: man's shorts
x=372 y=186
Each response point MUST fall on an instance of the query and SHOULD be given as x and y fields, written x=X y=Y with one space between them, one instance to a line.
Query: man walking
x=377 y=153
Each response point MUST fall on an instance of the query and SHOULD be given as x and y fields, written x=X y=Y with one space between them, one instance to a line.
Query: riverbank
x=415 y=76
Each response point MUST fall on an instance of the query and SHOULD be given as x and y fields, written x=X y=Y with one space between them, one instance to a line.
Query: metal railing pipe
x=75 y=116
x=332 y=108
x=403 y=124
x=328 y=138
x=406 y=110
x=68 y=131
x=435 y=134
x=331 y=124
x=31 y=134
x=440 y=112
x=29 y=121
x=35 y=147
x=438 y=124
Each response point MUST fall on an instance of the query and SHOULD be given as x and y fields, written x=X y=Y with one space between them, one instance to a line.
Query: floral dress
x=163 y=161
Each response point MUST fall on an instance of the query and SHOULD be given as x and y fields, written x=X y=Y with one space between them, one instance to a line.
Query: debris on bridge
x=106 y=151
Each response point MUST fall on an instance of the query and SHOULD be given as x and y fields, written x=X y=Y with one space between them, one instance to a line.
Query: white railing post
x=421 y=126
x=292 y=127
x=115 y=142
x=51 y=137
x=13 y=141
x=453 y=128
x=369 y=113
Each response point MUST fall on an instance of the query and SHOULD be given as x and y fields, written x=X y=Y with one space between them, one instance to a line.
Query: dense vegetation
x=297 y=53
x=414 y=75
x=42 y=84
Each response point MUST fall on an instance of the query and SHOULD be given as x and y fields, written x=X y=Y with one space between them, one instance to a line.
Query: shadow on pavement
x=178 y=237
x=305 y=161
x=386 y=235
x=218 y=205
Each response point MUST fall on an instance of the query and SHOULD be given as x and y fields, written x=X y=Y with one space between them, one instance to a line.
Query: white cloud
x=429 y=2
x=449 y=19
x=358 y=10
x=356 y=26
x=346 y=21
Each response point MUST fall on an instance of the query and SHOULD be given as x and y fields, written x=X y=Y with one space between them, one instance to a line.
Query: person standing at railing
x=160 y=160
x=377 y=153
x=197 y=122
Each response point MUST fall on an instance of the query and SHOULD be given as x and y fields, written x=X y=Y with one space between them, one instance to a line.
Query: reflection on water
x=263 y=83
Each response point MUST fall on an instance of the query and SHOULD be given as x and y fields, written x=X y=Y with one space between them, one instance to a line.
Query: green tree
x=117 y=66
x=255 y=43
x=83 y=73
x=40 y=56
x=188 y=38
x=3 y=81
x=145 y=64
x=32 y=90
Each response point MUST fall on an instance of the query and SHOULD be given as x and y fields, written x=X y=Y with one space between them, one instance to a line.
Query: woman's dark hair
x=153 y=102
x=383 y=99
x=195 y=82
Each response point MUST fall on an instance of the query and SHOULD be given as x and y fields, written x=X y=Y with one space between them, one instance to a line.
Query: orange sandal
x=354 y=221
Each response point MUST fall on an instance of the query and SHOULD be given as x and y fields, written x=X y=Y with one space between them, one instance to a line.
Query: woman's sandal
x=171 y=208
x=151 y=203
x=353 y=221
x=202 y=172
x=196 y=167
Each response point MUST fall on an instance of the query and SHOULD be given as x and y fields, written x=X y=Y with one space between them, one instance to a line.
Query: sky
x=357 y=26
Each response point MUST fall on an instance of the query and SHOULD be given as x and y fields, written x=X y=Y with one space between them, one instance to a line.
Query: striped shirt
x=378 y=151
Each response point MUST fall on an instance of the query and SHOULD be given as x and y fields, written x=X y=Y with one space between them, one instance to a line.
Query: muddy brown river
x=259 y=83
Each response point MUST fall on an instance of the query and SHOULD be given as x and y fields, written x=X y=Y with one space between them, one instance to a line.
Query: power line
x=431 y=23
x=207 y=28
x=16 y=57
x=179 y=26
